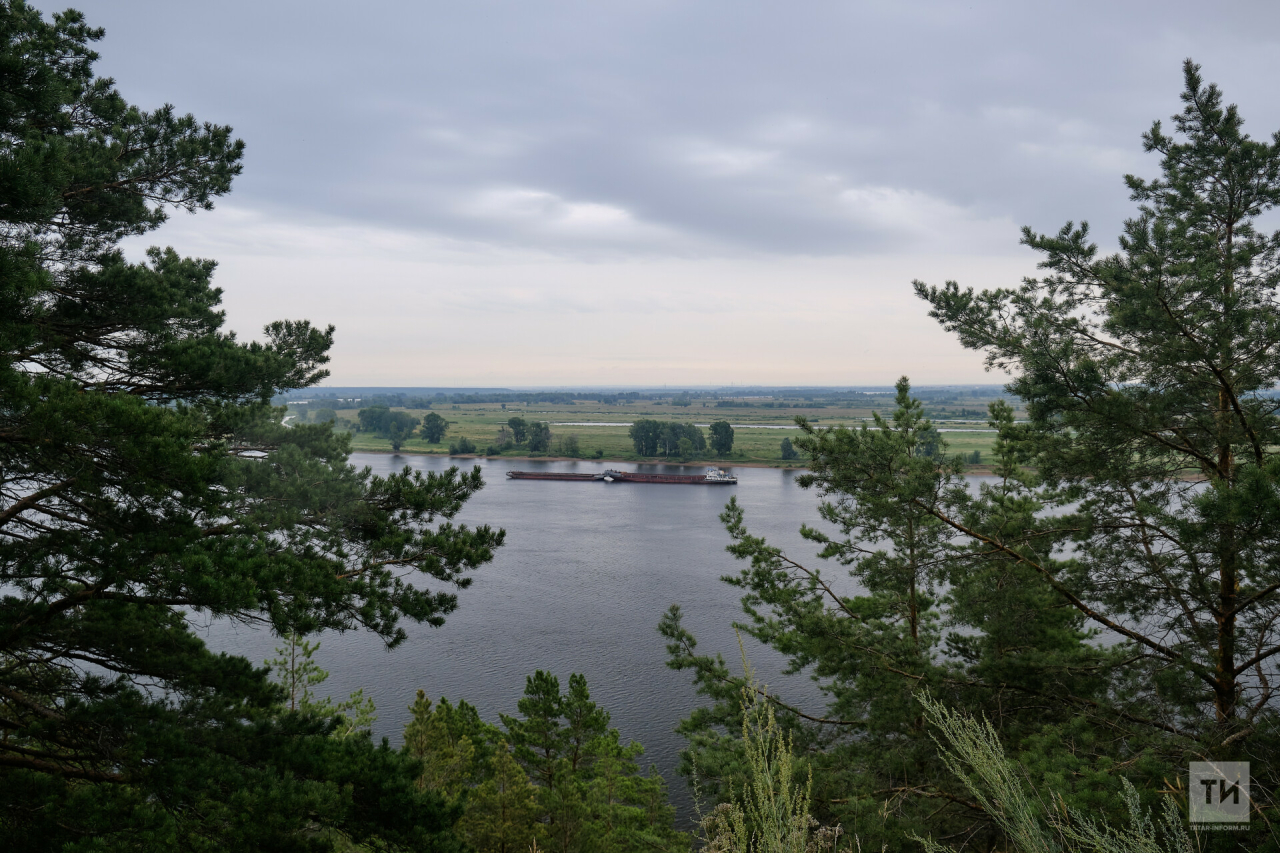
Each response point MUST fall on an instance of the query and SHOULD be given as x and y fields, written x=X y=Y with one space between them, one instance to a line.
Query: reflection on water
x=588 y=570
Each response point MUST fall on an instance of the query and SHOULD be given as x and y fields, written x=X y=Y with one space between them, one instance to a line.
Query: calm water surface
x=588 y=570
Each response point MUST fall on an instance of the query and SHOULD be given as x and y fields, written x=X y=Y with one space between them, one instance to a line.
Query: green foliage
x=539 y=437
x=662 y=438
x=502 y=812
x=1111 y=599
x=973 y=752
x=519 y=429
x=434 y=427
x=461 y=446
x=645 y=434
x=386 y=423
x=1149 y=381
x=983 y=642
x=298 y=674
x=148 y=484
x=788 y=451
x=558 y=775
x=771 y=812
x=721 y=437
x=453 y=744
x=930 y=441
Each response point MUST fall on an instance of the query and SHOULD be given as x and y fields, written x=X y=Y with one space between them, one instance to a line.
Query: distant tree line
x=738 y=398
x=664 y=438
x=389 y=424
x=418 y=401
x=398 y=427
x=534 y=436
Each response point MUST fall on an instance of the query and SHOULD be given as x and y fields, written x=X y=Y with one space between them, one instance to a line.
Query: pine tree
x=1112 y=599
x=591 y=794
x=929 y=613
x=146 y=477
x=1149 y=380
x=298 y=674
x=455 y=746
x=502 y=813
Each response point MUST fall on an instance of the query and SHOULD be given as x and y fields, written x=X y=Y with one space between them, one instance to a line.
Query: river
x=588 y=570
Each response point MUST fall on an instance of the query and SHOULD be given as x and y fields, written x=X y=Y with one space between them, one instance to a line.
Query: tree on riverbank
x=721 y=437
x=148 y=485
x=519 y=429
x=662 y=438
x=539 y=437
x=387 y=423
x=1112 y=598
x=434 y=428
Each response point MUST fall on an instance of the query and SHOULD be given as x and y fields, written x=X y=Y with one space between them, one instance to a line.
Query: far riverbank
x=583 y=429
x=976 y=470
x=718 y=463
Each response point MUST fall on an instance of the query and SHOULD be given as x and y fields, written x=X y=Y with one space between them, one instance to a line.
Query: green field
x=758 y=431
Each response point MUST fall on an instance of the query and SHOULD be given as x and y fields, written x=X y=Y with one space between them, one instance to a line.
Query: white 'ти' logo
x=1219 y=792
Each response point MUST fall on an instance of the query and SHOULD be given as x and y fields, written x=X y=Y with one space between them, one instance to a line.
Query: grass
x=757 y=440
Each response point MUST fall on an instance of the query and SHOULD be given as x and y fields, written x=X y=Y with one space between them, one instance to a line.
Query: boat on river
x=552 y=475
x=713 y=477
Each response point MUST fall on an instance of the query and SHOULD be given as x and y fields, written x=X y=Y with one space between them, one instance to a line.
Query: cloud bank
x=576 y=192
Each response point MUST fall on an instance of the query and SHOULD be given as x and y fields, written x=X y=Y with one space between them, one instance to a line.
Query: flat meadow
x=601 y=428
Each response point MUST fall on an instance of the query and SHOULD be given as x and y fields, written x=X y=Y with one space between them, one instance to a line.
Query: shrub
x=461 y=446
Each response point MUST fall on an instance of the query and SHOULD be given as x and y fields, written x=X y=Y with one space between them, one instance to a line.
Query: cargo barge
x=713 y=477
x=549 y=475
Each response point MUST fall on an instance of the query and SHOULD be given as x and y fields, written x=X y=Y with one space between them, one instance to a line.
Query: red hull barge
x=548 y=475
x=713 y=477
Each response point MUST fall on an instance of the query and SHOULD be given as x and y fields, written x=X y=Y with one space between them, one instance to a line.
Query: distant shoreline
x=703 y=464
x=976 y=469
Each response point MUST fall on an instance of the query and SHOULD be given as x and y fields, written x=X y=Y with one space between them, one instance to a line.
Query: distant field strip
x=758 y=442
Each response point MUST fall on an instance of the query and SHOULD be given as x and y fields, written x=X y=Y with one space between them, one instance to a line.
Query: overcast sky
x=638 y=193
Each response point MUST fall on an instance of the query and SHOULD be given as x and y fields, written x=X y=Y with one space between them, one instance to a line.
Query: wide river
x=588 y=570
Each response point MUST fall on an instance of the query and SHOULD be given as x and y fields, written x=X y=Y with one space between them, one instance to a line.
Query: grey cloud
x=673 y=128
